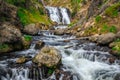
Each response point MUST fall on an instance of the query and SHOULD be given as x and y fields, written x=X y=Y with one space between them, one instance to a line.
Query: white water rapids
x=85 y=64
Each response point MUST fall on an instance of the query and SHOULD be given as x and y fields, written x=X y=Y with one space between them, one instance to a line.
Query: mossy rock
x=26 y=41
x=4 y=48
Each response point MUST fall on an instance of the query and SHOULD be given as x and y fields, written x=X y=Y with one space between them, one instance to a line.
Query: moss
x=113 y=10
x=4 y=48
x=27 y=37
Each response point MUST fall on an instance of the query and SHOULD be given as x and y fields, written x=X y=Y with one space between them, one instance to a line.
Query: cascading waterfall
x=85 y=61
x=58 y=14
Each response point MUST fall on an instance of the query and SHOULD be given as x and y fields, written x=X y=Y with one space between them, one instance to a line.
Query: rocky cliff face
x=15 y=17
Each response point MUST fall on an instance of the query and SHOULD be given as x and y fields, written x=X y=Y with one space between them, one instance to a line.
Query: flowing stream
x=81 y=60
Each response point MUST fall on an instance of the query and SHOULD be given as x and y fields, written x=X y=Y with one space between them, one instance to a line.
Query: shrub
x=98 y=18
x=107 y=28
x=112 y=11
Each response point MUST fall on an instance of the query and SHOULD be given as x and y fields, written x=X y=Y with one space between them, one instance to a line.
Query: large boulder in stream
x=104 y=38
x=48 y=56
x=31 y=29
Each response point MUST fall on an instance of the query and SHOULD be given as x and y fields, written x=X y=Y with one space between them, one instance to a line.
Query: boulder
x=59 y=32
x=21 y=60
x=31 y=29
x=106 y=38
x=118 y=34
x=48 y=56
x=39 y=44
x=9 y=33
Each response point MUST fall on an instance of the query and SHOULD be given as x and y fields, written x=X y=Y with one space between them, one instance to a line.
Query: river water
x=82 y=59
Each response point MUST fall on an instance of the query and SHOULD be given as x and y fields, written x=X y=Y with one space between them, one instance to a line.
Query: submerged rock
x=48 y=56
x=31 y=29
x=21 y=60
x=39 y=44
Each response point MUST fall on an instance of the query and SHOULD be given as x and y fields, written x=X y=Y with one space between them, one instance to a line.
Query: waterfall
x=58 y=14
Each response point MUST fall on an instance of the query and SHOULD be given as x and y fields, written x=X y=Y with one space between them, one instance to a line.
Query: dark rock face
x=8 y=13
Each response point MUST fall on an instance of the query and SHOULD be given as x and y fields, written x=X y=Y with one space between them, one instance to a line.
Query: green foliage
x=112 y=11
x=3 y=46
x=31 y=16
x=23 y=16
x=51 y=70
x=116 y=46
x=98 y=18
x=76 y=5
x=107 y=28
x=27 y=37
x=113 y=29
x=16 y=2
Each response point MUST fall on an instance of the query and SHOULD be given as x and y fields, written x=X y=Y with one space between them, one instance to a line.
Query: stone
x=31 y=29
x=59 y=32
x=39 y=44
x=48 y=56
x=9 y=33
x=21 y=60
x=106 y=38
x=118 y=34
x=94 y=38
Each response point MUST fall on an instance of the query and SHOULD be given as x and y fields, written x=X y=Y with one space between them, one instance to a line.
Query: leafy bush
x=112 y=11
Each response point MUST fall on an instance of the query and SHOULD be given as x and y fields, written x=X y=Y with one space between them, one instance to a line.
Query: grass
x=31 y=16
x=98 y=19
x=112 y=11
x=107 y=28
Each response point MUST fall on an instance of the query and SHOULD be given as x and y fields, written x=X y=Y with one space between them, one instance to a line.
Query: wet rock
x=48 y=56
x=94 y=38
x=42 y=26
x=105 y=38
x=112 y=60
x=59 y=32
x=26 y=43
x=39 y=44
x=65 y=75
x=21 y=60
x=31 y=29
x=9 y=33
